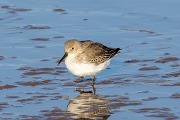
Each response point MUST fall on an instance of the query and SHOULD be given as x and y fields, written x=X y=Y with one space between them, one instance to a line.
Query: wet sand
x=142 y=82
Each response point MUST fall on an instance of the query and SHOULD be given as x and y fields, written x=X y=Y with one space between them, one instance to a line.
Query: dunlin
x=87 y=58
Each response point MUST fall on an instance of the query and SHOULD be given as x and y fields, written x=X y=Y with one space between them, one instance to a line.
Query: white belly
x=84 y=69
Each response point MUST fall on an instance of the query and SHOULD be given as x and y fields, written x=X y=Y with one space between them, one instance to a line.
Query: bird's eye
x=72 y=48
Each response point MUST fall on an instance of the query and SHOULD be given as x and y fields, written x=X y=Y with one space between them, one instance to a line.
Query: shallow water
x=142 y=82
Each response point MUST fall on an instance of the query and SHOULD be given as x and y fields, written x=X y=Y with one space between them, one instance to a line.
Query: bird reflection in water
x=89 y=106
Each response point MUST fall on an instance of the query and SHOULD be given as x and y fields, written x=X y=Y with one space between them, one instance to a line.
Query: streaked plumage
x=87 y=58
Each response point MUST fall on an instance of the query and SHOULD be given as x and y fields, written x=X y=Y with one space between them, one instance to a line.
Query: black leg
x=93 y=82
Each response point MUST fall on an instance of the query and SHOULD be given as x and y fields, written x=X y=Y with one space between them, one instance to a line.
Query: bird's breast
x=84 y=68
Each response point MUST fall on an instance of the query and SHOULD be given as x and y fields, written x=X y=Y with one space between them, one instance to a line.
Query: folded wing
x=97 y=53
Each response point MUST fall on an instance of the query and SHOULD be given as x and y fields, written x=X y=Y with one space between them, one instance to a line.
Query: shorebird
x=87 y=58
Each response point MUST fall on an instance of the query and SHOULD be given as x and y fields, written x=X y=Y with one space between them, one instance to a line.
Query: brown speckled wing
x=97 y=53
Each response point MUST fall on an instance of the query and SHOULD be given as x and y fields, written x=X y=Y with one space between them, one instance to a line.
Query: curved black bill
x=65 y=55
